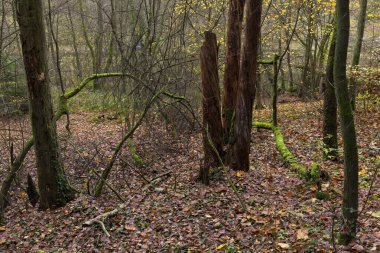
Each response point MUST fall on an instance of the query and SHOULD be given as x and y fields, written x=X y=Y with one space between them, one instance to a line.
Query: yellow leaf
x=22 y=195
x=302 y=234
x=240 y=173
x=363 y=172
x=283 y=245
x=221 y=246
x=2 y=229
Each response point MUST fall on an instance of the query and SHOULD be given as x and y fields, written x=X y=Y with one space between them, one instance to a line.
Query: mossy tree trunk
x=330 y=135
x=212 y=123
x=232 y=63
x=358 y=48
x=239 y=158
x=52 y=181
x=350 y=189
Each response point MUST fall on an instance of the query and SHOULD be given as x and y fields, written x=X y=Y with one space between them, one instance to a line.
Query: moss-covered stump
x=312 y=174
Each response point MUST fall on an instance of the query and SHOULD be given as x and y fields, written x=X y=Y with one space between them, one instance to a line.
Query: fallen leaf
x=2 y=229
x=358 y=248
x=22 y=195
x=240 y=173
x=302 y=234
x=283 y=245
x=130 y=228
x=221 y=246
x=375 y=214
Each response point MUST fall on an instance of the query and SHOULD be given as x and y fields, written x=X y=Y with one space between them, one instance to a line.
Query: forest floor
x=182 y=215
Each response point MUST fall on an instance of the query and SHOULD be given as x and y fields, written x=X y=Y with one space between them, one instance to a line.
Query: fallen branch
x=102 y=217
x=313 y=174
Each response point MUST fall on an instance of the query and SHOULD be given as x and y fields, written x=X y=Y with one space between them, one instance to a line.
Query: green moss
x=62 y=107
x=135 y=156
x=265 y=62
x=321 y=195
x=315 y=171
x=288 y=157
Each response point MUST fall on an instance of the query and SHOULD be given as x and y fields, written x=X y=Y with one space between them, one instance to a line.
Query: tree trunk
x=350 y=189
x=259 y=88
x=239 y=159
x=305 y=81
x=99 y=44
x=231 y=71
x=75 y=45
x=330 y=136
x=275 y=89
x=358 y=48
x=291 y=80
x=212 y=124
x=52 y=181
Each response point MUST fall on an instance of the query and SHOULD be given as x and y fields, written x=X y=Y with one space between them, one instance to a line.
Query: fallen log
x=312 y=174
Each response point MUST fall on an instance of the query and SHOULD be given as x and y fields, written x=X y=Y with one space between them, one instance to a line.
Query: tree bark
x=350 y=189
x=232 y=63
x=330 y=135
x=275 y=89
x=239 y=159
x=212 y=124
x=52 y=181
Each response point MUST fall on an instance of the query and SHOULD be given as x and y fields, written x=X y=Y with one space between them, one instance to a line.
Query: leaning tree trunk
x=358 y=48
x=347 y=122
x=231 y=71
x=52 y=181
x=212 y=124
x=239 y=159
x=330 y=135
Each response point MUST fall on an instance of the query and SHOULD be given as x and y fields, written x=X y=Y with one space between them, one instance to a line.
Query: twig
x=106 y=215
x=109 y=186
x=103 y=227
x=332 y=230
x=369 y=191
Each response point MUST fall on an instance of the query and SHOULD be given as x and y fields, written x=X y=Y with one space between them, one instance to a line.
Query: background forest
x=146 y=147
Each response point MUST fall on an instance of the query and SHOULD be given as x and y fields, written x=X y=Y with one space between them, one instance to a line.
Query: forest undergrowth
x=179 y=214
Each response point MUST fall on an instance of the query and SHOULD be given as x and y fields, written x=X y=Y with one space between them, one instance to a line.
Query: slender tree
x=53 y=185
x=330 y=135
x=347 y=122
x=239 y=159
x=358 y=47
